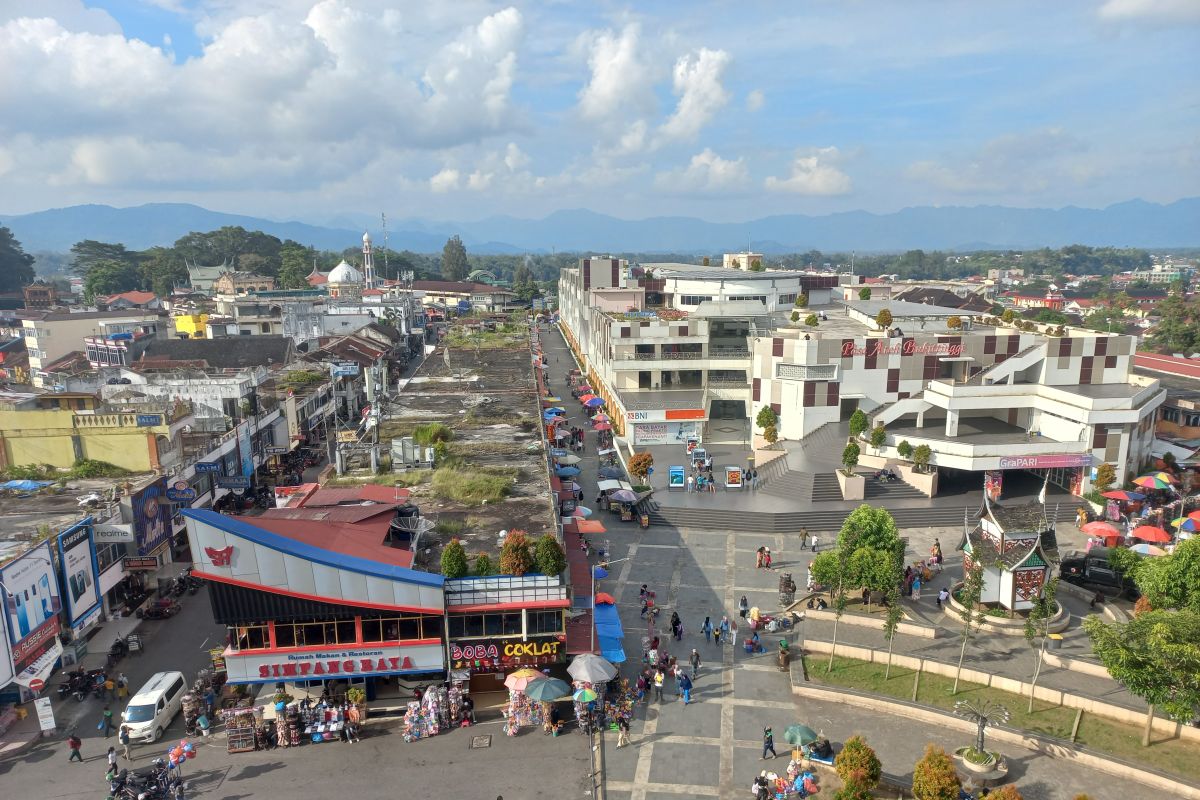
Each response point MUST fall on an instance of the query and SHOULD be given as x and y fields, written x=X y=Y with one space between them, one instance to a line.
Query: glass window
x=372 y=630
x=314 y=635
x=249 y=637
x=456 y=627
x=474 y=625
x=545 y=622
x=285 y=635
x=410 y=628
x=512 y=624
x=493 y=624
x=431 y=627
x=345 y=632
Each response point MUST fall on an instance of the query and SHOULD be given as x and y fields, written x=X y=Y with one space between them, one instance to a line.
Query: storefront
x=32 y=618
x=668 y=426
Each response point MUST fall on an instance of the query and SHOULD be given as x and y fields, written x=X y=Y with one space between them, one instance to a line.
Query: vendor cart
x=787 y=589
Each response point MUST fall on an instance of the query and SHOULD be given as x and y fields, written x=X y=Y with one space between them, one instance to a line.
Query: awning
x=611 y=649
x=956 y=358
x=608 y=622
x=41 y=668
x=609 y=486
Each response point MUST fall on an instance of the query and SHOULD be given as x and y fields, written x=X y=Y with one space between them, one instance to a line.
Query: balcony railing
x=687 y=355
x=727 y=381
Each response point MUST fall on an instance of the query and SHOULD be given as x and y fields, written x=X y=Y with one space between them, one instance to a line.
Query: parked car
x=1092 y=569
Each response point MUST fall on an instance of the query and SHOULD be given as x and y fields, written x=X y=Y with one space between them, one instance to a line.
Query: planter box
x=924 y=482
x=854 y=487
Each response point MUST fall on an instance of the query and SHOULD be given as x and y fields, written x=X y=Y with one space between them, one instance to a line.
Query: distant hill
x=1135 y=223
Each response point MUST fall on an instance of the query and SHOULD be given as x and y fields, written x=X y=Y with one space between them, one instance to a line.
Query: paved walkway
x=712 y=747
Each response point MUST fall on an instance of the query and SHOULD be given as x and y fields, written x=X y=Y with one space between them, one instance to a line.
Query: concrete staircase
x=790 y=484
x=826 y=488
x=881 y=493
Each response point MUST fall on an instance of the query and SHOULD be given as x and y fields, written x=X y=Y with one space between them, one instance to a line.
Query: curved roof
x=344 y=273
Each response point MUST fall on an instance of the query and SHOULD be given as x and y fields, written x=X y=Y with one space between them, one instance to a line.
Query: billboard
x=151 y=517
x=32 y=603
x=80 y=582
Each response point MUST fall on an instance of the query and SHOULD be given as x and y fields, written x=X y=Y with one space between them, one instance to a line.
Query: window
x=249 y=637
x=544 y=622
x=807 y=372
x=693 y=299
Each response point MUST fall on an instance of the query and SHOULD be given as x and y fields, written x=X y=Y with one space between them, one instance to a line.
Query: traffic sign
x=36 y=685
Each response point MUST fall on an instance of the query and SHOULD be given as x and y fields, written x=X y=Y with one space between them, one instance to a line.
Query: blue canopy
x=567 y=472
x=611 y=649
x=595 y=402
x=554 y=410
x=25 y=486
x=600 y=572
x=608 y=622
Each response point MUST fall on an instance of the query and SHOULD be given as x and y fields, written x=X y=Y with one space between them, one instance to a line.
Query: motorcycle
x=160 y=610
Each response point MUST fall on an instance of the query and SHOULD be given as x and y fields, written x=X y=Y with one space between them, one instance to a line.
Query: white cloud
x=514 y=159
x=697 y=81
x=479 y=181
x=1153 y=11
x=813 y=172
x=705 y=172
x=1029 y=162
x=445 y=181
x=755 y=100
x=621 y=81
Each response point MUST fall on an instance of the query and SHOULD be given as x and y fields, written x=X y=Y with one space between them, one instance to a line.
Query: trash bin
x=1054 y=641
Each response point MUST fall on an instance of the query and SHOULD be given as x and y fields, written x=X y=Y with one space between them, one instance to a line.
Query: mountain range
x=1135 y=223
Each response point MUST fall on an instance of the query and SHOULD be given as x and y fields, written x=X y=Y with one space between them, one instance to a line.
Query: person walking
x=112 y=758
x=743 y=607
x=691 y=482
x=106 y=721
x=725 y=629
x=916 y=589
x=707 y=629
x=758 y=557
x=73 y=744
x=123 y=687
x=766 y=558
x=768 y=743
x=695 y=660
x=943 y=596
x=622 y=731
x=659 y=678
x=124 y=738
x=685 y=687
x=110 y=688
x=717 y=636
x=814 y=542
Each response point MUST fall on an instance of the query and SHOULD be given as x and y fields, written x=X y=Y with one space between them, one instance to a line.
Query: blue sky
x=316 y=109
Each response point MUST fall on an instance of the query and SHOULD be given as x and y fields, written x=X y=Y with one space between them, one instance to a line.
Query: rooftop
x=902 y=309
x=698 y=272
x=225 y=353
x=363 y=538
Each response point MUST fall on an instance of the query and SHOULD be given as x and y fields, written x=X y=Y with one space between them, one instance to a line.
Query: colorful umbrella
x=601 y=417
x=585 y=388
x=554 y=410
x=581 y=511
x=1148 y=550
x=1149 y=533
x=568 y=459
x=590 y=526
x=1189 y=524
x=602 y=426
x=613 y=473
x=551 y=399
x=518 y=680
x=583 y=398
x=599 y=572
x=623 y=496
x=595 y=402
x=1155 y=480
x=799 y=734
x=1121 y=494
x=1101 y=530
x=562 y=434
x=584 y=696
x=546 y=689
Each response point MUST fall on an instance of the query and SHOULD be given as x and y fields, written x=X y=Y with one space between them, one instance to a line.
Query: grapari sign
x=904 y=347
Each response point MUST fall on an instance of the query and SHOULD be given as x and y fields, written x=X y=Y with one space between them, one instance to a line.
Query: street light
x=604 y=566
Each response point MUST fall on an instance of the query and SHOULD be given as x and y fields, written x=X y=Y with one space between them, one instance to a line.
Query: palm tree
x=982 y=712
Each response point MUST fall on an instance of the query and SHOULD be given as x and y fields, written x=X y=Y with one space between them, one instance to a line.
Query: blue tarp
x=611 y=649
x=608 y=622
x=25 y=486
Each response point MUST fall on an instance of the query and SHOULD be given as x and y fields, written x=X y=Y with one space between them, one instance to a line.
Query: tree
x=640 y=464
x=850 y=457
x=856 y=756
x=1037 y=626
x=767 y=418
x=864 y=293
x=969 y=594
x=1008 y=316
x=551 y=560
x=110 y=277
x=162 y=269
x=883 y=319
x=982 y=712
x=1006 y=792
x=858 y=423
x=854 y=787
x=1171 y=582
x=868 y=526
x=454 y=560
x=934 y=776
x=771 y=434
x=891 y=622
x=295 y=264
x=484 y=566
x=454 y=259
x=878 y=437
x=832 y=569
x=16 y=266
x=954 y=323
x=1106 y=476
x=795 y=316
x=515 y=558
x=89 y=252
x=921 y=456
x=706 y=261
x=757 y=266
x=812 y=321
x=801 y=300
x=1156 y=656
x=228 y=245
x=904 y=449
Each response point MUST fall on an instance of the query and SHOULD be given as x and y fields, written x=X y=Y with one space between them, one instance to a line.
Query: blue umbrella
x=595 y=402
x=612 y=473
x=567 y=472
x=554 y=410
x=599 y=572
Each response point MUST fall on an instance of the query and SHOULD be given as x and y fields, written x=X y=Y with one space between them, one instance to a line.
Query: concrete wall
x=47 y=437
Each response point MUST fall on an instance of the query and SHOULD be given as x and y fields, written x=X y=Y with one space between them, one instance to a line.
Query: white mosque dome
x=366 y=238
x=344 y=273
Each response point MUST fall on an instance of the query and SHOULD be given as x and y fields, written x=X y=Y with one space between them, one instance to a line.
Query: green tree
x=771 y=434
x=884 y=319
x=454 y=259
x=864 y=293
x=1008 y=316
x=228 y=245
x=767 y=418
x=795 y=316
x=454 y=560
x=1156 y=656
x=484 y=566
x=869 y=526
x=878 y=437
x=1037 y=626
x=850 y=457
x=295 y=264
x=801 y=300
x=891 y=622
x=968 y=597
x=549 y=555
x=921 y=456
x=162 y=269
x=515 y=558
x=856 y=756
x=757 y=266
x=16 y=266
x=1106 y=476
x=706 y=261
x=1171 y=582
x=954 y=323
x=934 y=776
x=812 y=321
x=105 y=278
x=904 y=449
x=858 y=423
x=88 y=253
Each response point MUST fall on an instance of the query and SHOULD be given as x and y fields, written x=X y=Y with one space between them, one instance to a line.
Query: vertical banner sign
x=151 y=517
x=45 y=713
x=32 y=604
x=245 y=452
x=77 y=555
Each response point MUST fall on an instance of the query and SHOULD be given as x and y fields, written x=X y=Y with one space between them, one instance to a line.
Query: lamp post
x=593 y=572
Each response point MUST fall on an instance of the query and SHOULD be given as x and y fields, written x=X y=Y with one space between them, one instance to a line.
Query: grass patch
x=451 y=527
x=476 y=417
x=431 y=433
x=474 y=487
x=1124 y=741
x=506 y=336
x=406 y=479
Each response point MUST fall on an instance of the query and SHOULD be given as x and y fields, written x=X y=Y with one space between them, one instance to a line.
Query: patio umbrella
x=581 y=511
x=583 y=398
x=551 y=399
x=1148 y=550
x=518 y=680
x=591 y=668
x=1102 y=530
x=1121 y=494
x=595 y=402
x=605 y=599
x=572 y=487
x=590 y=526
x=602 y=426
x=553 y=410
x=799 y=734
x=1149 y=533
x=568 y=459
x=601 y=417
x=561 y=434
x=584 y=695
x=599 y=572
x=1155 y=480
x=611 y=472
x=567 y=472
x=624 y=496
x=1189 y=524
x=584 y=387
x=546 y=689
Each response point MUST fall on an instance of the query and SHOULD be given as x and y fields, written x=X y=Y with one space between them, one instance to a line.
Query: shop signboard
x=151 y=517
x=675 y=477
x=690 y=444
x=344 y=369
x=45 y=713
x=112 y=533
x=487 y=654
x=80 y=571
x=233 y=482
x=734 y=477
x=338 y=662
x=1046 y=462
x=32 y=604
x=140 y=563
x=347 y=436
x=208 y=466
x=993 y=484
x=245 y=449
x=650 y=433
x=149 y=420
x=276 y=451
x=181 y=492
x=664 y=415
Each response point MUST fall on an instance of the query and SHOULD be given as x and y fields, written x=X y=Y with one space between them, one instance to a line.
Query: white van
x=151 y=710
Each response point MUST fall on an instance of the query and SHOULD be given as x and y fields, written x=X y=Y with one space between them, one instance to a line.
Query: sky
x=464 y=109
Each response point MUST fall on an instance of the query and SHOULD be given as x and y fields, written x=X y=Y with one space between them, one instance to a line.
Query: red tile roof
x=1184 y=367
x=375 y=493
x=363 y=540
x=135 y=297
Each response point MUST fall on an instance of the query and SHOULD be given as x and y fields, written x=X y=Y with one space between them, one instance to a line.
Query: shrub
x=771 y=434
x=795 y=316
x=905 y=449
x=484 y=566
x=934 y=776
x=812 y=321
x=921 y=456
x=549 y=555
x=850 y=457
x=1006 y=792
x=640 y=464
x=1142 y=606
x=864 y=293
x=878 y=436
x=858 y=423
x=1106 y=476
x=801 y=300
x=858 y=759
x=430 y=434
x=954 y=323
x=884 y=319
x=454 y=560
x=1008 y=316
x=854 y=789
x=515 y=558
x=767 y=418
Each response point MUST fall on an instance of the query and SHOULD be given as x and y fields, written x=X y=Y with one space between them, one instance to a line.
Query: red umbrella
x=1101 y=530
x=1149 y=533
x=583 y=398
x=1121 y=494
x=604 y=598
x=602 y=426
x=585 y=388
